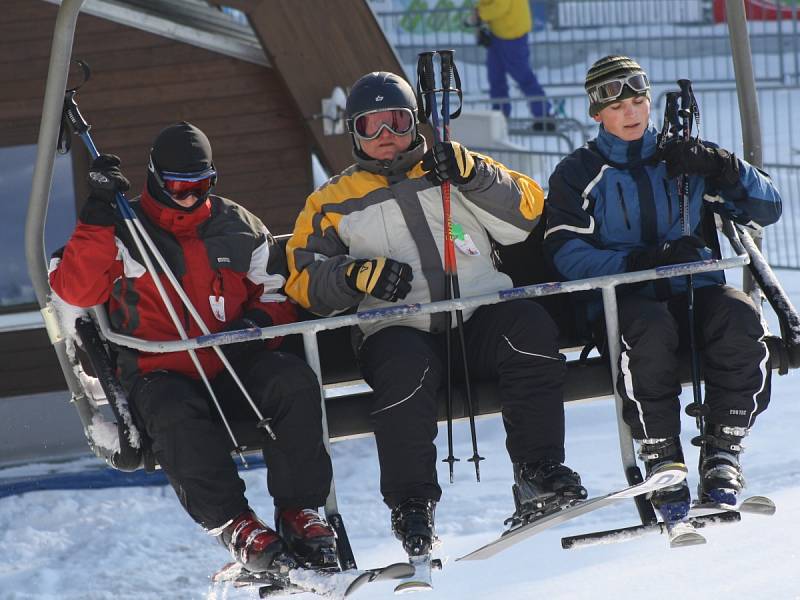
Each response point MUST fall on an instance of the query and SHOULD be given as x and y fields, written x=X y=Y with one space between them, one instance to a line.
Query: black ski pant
x=193 y=447
x=514 y=343
x=734 y=359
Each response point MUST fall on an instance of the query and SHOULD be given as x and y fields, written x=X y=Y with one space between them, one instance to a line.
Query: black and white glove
x=692 y=157
x=105 y=180
x=672 y=252
x=449 y=161
x=381 y=277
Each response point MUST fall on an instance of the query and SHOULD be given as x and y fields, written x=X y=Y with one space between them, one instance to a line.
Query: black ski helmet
x=179 y=148
x=379 y=90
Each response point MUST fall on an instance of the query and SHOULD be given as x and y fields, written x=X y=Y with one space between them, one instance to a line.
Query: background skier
x=508 y=55
x=233 y=272
x=373 y=235
x=613 y=207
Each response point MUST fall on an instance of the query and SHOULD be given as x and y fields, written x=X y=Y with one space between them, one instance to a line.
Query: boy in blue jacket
x=613 y=207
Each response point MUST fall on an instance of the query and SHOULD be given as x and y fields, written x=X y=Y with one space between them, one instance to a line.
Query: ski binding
x=326 y=583
x=420 y=578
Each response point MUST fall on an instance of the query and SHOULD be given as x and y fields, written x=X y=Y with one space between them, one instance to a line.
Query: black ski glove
x=380 y=277
x=449 y=161
x=692 y=157
x=672 y=252
x=484 y=36
x=105 y=180
x=250 y=319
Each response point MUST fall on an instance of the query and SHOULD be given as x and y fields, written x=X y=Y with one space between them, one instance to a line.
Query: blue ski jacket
x=611 y=197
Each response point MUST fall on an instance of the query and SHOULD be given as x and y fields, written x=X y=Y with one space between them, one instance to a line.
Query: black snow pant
x=734 y=359
x=514 y=343
x=193 y=447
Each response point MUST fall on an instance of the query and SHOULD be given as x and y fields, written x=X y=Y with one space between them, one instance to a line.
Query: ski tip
x=670 y=467
x=687 y=539
x=759 y=505
x=413 y=586
x=399 y=570
x=358 y=583
x=667 y=474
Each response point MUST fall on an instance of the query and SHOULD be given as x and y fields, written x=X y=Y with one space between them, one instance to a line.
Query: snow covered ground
x=137 y=542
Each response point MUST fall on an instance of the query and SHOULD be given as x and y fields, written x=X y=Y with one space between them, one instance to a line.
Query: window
x=16 y=176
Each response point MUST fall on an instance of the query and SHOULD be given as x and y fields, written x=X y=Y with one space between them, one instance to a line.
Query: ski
x=420 y=579
x=757 y=505
x=328 y=584
x=669 y=474
x=624 y=534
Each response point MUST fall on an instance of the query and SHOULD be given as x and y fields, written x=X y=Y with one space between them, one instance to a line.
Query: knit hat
x=612 y=69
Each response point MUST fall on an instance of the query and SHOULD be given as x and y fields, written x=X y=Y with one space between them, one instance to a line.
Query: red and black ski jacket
x=225 y=259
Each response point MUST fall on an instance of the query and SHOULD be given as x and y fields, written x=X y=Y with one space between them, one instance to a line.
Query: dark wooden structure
x=260 y=119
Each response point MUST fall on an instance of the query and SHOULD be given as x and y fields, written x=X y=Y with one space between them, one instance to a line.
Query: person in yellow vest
x=508 y=53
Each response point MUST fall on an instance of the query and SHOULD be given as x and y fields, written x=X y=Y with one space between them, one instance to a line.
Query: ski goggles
x=182 y=185
x=369 y=125
x=612 y=89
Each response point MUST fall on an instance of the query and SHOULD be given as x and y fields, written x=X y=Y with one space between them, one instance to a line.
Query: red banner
x=758 y=10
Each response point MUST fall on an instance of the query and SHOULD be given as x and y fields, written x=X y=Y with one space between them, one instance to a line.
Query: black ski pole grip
x=686 y=98
x=73 y=116
x=446 y=57
x=425 y=71
x=425 y=85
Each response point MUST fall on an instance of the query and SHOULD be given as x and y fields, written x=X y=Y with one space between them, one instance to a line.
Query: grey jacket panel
x=497 y=197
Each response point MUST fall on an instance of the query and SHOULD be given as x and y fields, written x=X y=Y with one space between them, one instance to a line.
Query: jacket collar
x=620 y=152
x=175 y=221
x=395 y=169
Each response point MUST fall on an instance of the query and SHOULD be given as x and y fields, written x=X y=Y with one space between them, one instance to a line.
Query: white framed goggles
x=612 y=89
x=369 y=125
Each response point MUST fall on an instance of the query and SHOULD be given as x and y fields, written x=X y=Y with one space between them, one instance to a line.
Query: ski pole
x=426 y=90
x=143 y=241
x=688 y=112
x=449 y=72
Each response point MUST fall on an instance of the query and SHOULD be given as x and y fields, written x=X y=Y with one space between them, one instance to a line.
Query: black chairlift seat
x=348 y=412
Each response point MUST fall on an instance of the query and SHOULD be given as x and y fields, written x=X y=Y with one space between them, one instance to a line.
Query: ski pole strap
x=426 y=85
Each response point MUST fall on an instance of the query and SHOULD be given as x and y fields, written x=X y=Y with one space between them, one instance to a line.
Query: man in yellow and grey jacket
x=373 y=235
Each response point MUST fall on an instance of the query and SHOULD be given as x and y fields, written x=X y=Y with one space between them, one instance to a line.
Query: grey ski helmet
x=377 y=91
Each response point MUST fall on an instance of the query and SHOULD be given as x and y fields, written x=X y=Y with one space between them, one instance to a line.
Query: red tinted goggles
x=182 y=185
x=369 y=125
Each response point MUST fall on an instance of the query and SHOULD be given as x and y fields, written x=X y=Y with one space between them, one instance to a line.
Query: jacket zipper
x=622 y=203
x=669 y=201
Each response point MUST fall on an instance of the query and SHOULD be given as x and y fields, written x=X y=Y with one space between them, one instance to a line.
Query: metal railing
x=679 y=38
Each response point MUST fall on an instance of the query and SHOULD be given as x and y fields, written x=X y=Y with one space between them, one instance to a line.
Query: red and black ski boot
x=252 y=544
x=308 y=536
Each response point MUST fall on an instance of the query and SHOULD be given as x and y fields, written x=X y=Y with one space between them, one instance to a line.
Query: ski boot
x=308 y=536
x=543 y=487
x=671 y=502
x=412 y=524
x=251 y=543
x=721 y=477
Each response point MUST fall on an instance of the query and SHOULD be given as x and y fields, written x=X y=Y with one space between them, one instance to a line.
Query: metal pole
x=748 y=107
x=35 y=256
x=345 y=552
x=57 y=73
x=632 y=472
